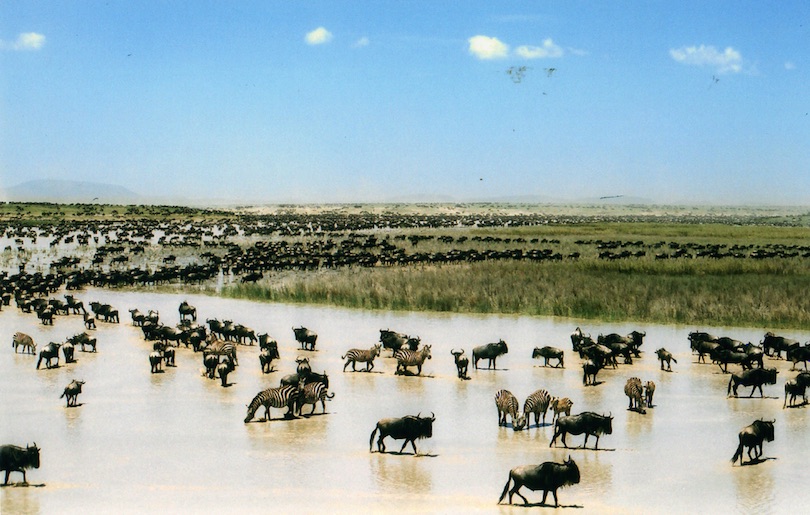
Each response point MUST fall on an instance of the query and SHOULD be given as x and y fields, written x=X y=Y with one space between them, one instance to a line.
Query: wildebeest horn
x=417 y=415
x=432 y=416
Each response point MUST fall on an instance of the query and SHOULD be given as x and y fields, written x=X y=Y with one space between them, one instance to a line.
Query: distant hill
x=66 y=191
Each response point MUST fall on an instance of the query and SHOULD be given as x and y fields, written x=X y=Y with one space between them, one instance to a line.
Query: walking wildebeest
x=72 y=391
x=587 y=422
x=796 y=387
x=410 y=428
x=305 y=337
x=665 y=355
x=548 y=353
x=49 y=352
x=548 y=477
x=462 y=363
x=490 y=351
x=754 y=378
x=17 y=459
x=752 y=437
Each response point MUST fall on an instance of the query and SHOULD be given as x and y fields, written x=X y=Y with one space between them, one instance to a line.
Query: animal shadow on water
x=409 y=373
x=546 y=505
x=757 y=461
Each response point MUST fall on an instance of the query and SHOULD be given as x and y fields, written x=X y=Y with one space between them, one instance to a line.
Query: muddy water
x=176 y=441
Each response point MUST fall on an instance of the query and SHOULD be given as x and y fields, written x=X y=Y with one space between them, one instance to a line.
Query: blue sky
x=324 y=101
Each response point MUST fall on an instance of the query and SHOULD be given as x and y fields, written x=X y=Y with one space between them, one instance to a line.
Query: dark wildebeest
x=17 y=459
x=462 y=363
x=72 y=391
x=578 y=339
x=777 y=344
x=754 y=378
x=408 y=428
x=223 y=369
x=267 y=355
x=588 y=422
x=548 y=477
x=395 y=341
x=548 y=353
x=752 y=437
x=305 y=337
x=67 y=351
x=589 y=371
x=665 y=355
x=490 y=351
x=799 y=354
x=156 y=361
x=49 y=352
x=187 y=311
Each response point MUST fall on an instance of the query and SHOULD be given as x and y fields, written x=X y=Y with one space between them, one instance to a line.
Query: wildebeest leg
x=596 y=446
x=515 y=491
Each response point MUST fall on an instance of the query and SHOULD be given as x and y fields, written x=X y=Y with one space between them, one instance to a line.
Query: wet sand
x=176 y=442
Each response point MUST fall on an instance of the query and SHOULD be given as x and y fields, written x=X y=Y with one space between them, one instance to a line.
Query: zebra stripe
x=507 y=404
x=24 y=341
x=536 y=403
x=560 y=405
x=311 y=393
x=634 y=392
x=272 y=398
x=409 y=358
x=221 y=348
x=363 y=356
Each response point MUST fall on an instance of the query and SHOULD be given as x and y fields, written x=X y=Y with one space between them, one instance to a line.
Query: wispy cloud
x=25 y=41
x=790 y=66
x=360 y=43
x=547 y=49
x=727 y=61
x=318 y=36
x=485 y=47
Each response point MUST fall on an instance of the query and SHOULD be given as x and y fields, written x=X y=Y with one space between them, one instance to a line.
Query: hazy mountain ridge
x=67 y=191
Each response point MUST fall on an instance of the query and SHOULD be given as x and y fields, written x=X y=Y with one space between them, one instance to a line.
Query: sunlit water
x=176 y=441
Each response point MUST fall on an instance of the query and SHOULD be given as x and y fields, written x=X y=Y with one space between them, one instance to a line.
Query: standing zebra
x=536 y=403
x=363 y=356
x=507 y=404
x=560 y=405
x=635 y=392
x=311 y=393
x=275 y=398
x=649 y=391
x=408 y=358
x=24 y=341
x=221 y=348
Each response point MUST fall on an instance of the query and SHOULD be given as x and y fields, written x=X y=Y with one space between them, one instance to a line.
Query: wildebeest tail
x=371 y=440
x=738 y=454
x=505 y=488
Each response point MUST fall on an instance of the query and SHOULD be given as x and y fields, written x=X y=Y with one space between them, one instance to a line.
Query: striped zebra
x=560 y=405
x=409 y=358
x=649 y=391
x=24 y=341
x=635 y=392
x=273 y=398
x=221 y=348
x=536 y=403
x=507 y=404
x=362 y=356
x=311 y=393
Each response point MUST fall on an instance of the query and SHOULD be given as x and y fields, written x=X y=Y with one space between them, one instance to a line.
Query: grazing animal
x=187 y=311
x=754 y=378
x=17 y=459
x=311 y=393
x=665 y=355
x=490 y=351
x=89 y=321
x=587 y=422
x=548 y=477
x=156 y=361
x=536 y=403
x=283 y=396
x=752 y=437
x=548 y=353
x=560 y=405
x=409 y=358
x=363 y=356
x=72 y=391
x=24 y=341
x=649 y=391
x=409 y=428
x=589 y=371
x=634 y=391
x=462 y=363
x=49 y=352
x=507 y=404
x=305 y=337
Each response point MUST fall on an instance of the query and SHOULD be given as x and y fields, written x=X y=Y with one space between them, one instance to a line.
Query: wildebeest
x=156 y=361
x=408 y=428
x=796 y=387
x=548 y=353
x=548 y=477
x=752 y=437
x=366 y=356
x=49 y=352
x=72 y=391
x=587 y=422
x=67 y=352
x=305 y=337
x=223 y=369
x=462 y=363
x=187 y=311
x=799 y=354
x=105 y=311
x=777 y=344
x=24 y=341
x=395 y=341
x=267 y=355
x=490 y=351
x=16 y=459
x=589 y=371
x=754 y=378
x=649 y=391
x=665 y=355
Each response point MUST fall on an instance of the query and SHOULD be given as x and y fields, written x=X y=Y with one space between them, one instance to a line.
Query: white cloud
x=485 y=47
x=548 y=49
x=790 y=66
x=729 y=60
x=361 y=42
x=318 y=36
x=25 y=41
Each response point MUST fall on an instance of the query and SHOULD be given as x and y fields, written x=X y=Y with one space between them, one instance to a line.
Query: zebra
x=221 y=348
x=24 y=341
x=311 y=393
x=363 y=356
x=536 y=403
x=560 y=405
x=507 y=404
x=407 y=358
x=649 y=391
x=635 y=392
x=273 y=397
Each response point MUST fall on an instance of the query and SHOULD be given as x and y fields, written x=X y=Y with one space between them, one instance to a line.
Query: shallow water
x=176 y=441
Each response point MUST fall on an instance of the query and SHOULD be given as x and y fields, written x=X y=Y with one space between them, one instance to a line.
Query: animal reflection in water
x=408 y=428
x=548 y=477
x=752 y=437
